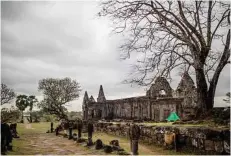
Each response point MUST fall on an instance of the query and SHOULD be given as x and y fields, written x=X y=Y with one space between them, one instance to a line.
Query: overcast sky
x=67 y=39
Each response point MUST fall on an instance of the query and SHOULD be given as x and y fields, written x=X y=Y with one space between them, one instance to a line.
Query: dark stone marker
x=57 y=130
x=52 y=129
x=134 y=134
x=79 y=127
x=90 y=130
x=107 y=149
x=114 y=142
x=70 y=130
x=98 y=144
x=70 y=133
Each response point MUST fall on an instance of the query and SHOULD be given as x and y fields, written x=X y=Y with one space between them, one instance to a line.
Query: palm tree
x=22 y=103
x=32 y=101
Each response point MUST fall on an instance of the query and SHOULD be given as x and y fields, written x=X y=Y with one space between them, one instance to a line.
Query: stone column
x=52 y=129
x=70 y=127
x=57 y=131
x=90 y=130
x=134 y=134
x=79 y=127
x=134 y=147
x=70 y=133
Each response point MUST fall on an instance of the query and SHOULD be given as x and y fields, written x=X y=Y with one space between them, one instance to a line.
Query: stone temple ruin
x=160 y=100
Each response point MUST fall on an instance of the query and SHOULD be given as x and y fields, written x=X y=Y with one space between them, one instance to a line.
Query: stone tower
x=186 y=82
x=92 y=99
x=101 y=97
x=85 y=98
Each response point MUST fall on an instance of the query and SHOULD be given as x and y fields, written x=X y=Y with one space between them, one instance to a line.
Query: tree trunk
x=201 y=90
x=22 y=118
x=211 y=91
x=31 y=117
x=213 y=84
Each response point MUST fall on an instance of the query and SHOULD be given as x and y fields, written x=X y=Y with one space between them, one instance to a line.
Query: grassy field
x=35 y=140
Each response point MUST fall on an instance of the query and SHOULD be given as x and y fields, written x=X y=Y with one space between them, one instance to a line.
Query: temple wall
x=159 y=101
x=161 y=108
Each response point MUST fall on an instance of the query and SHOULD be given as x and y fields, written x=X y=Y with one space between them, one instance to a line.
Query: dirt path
x=28 y=126
x=51 y=144
x=48 y=144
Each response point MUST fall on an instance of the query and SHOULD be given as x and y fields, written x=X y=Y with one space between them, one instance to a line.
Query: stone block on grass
x=98 y=144
x=107 y=149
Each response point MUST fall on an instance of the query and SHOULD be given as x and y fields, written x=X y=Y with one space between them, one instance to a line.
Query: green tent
x=173 y=117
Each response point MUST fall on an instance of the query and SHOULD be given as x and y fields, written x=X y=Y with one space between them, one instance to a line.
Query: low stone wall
x=203 y=139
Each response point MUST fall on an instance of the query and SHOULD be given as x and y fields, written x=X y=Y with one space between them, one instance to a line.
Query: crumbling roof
x=85 y=98
x=101 y=97
x=92 y=99
x=186 y=82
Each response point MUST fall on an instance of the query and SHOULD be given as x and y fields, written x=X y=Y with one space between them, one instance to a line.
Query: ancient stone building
x=160 y=100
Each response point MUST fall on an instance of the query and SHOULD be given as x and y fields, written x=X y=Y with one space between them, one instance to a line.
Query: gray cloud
x=65 y=39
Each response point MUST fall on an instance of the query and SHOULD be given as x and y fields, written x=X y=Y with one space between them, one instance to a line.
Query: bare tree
x=8 y=114
x=170 y=35
x=7 y=94
x=57 y=93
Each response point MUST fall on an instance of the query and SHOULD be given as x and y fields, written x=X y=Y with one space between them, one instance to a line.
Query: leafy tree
x=48 y=118
x=172 y=35
x=7 y=94
x=227 y=97
x=57 y=93
x=22 y=103
x=37 y=115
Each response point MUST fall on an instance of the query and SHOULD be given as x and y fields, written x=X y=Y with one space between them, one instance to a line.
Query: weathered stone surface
x=209 y=145
x=107 y=149
x=98 y=144
x=114 y=142
x=227 y=146
x=219 y=146
x=80 y=140
x=74 y=136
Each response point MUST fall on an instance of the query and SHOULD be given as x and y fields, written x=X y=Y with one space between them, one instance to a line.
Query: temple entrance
x=156 y=114
x=99 y=114
x=92 y=113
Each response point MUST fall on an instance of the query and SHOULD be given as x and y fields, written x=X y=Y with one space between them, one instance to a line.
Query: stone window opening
x=162 y=93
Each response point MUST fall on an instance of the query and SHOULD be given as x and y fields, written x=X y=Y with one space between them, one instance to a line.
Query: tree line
x=56 y=92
